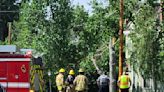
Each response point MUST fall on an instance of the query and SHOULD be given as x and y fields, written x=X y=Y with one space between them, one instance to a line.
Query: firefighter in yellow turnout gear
x=124 y=82
x=69 y=81
x=60 y=80
x=81 y=82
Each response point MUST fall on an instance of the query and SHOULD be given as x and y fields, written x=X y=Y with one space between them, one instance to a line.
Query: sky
x=85 y=3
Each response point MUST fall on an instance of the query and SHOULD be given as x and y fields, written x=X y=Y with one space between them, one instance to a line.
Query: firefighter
x=81 y=82
x=103 y=82
x=69 y=81
x=60 y=80
x=124 y=82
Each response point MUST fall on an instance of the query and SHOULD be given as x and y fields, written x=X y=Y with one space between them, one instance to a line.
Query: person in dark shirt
x=103 y=83
x=69 y=81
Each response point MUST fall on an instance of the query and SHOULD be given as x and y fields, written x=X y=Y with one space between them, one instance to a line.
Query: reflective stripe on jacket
x=124 y=81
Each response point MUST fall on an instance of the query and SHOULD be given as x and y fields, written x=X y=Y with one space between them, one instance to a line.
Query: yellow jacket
x=60 y=81
x=81 y=83
x=124 y=81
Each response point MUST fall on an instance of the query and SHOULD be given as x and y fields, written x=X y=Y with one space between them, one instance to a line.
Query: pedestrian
x=81 y=82
x=1 y=88
x=69 y=81
x=124 y=82
x=60 y=80
x=103 y=82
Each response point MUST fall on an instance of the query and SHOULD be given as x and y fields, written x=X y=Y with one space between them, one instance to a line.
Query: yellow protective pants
x=60 y=89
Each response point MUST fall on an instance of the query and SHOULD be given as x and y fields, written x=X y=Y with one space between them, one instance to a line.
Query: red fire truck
x=14 y=70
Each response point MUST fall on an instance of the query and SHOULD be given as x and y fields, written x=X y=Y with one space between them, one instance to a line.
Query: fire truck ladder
x=37 y=74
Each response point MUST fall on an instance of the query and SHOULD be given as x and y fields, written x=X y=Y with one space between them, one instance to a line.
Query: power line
x=30 y=11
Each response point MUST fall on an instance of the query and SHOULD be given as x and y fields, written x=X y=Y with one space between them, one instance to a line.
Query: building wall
x=139 y=84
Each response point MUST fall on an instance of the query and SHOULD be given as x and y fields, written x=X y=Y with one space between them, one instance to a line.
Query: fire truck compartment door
x=3 y=72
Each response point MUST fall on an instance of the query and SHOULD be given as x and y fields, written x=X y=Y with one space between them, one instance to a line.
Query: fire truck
x=17 y=74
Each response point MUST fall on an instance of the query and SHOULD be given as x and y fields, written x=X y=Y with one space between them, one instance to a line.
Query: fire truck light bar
x=15 y=59
x=7 y=48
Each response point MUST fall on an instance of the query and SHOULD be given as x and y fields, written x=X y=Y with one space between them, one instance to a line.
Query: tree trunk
x=96 y=66
x=112 y=86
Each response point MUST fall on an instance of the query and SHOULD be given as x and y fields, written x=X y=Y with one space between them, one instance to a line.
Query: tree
x=30 y=24
x=145 y=38
x=55 y=40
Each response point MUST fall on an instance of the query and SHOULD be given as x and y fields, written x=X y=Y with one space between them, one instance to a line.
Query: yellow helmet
x=31 y=90
x=62 y=70
x=71 y=72
x=81 y=70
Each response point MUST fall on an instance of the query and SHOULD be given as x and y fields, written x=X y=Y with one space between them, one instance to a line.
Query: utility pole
x=121 y=39
x=9 y=32
x=49 y=74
